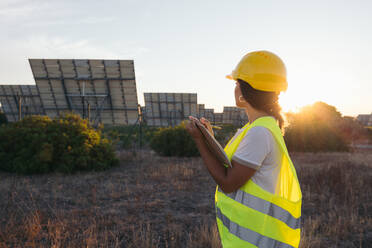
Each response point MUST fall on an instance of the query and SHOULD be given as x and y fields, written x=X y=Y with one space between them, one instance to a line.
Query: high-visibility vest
x=254 y=217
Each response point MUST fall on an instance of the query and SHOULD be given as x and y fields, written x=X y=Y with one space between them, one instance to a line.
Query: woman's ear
x=244 y=103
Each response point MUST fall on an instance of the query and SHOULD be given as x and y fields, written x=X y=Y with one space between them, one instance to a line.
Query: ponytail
x=274 y=110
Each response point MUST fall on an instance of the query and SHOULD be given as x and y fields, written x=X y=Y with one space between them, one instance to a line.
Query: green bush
x=174 y=141
x=318 y=127
x=130 y=136
x=226 y=132
x=38 y=144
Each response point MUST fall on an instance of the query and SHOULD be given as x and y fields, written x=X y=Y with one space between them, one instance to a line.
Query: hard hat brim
x=229 y=77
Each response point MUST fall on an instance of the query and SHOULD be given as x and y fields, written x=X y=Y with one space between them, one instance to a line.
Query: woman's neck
x=254 y=114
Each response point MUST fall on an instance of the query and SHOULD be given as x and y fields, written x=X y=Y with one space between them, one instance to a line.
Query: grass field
x=152 y=201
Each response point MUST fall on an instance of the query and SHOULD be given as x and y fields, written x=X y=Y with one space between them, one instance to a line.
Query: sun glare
x=291 y=102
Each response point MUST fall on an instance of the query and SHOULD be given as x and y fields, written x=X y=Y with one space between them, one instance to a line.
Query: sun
x=291 y=102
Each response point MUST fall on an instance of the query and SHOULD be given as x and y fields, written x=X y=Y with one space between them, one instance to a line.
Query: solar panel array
x=230 y=115
x=218 y=117
x=365 y=120
x=169 y=109
x=206 y=113
x=105 y=91
x=234 y=115
x=108 y=87
x=24 y=99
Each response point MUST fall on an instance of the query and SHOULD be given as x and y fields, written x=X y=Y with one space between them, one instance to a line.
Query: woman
x=258 y=200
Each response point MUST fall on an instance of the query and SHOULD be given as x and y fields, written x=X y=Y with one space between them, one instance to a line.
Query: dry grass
x=337 y=206
x=150 y=201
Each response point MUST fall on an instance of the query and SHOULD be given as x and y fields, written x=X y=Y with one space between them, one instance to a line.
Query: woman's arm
x=229 y=179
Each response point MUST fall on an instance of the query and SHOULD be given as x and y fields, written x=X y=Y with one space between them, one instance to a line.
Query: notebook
x=213 y=145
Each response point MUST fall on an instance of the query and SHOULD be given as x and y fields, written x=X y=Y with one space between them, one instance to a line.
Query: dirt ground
x=152 y=201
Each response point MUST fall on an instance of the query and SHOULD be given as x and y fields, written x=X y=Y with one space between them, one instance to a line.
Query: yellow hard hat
x=263 y=70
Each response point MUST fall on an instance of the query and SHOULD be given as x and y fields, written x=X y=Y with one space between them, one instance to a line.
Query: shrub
x=226 y=132
x=38 y=144
x=318 y=127
x=174 y=141
x=129 y=136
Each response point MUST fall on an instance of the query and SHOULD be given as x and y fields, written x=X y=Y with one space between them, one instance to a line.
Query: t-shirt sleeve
x=254 y=147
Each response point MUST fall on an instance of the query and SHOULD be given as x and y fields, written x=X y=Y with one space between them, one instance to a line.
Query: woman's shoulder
x=260 y=136
x=259 y=131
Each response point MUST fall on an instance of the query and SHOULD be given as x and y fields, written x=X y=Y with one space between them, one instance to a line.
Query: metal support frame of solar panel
x=31 y=103
x=108 y=86
x=169 y=109
x=234 y=115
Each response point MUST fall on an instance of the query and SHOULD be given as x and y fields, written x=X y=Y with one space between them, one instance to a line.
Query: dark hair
x=262 y=100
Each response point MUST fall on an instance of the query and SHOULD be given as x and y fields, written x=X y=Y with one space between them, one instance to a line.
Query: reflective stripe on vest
x=248 y=235
x=265 y=207
x=253 y=217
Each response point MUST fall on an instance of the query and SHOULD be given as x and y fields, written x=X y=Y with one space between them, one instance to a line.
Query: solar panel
x=169 y=109
x=206 y=113
x=24 y=99
x=218 y=117
x=105 y=87
x=234 y=115
x=365 y=119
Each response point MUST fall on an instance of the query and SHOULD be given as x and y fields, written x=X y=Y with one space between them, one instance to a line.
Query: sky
x=190 y=46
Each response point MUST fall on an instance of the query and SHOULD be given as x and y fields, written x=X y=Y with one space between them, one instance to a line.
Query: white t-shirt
x=259 y=150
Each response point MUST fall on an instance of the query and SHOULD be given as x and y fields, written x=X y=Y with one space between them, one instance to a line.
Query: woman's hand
x=207 y=124
x=192 y=129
